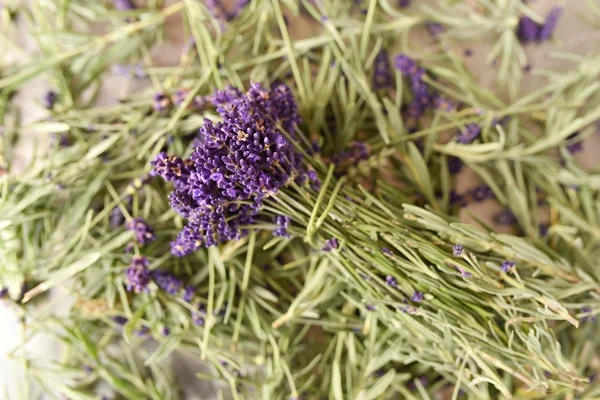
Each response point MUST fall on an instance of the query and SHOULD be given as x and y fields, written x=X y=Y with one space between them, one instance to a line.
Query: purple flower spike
x=470 y=133
x=50 y=99
x=123 y=5
x=507 y=266
x=331 y=244
x=382 y=74
x=417 y=296
x=283 y=223
x=405 y=64
x=546 y=30
x=138 y=274
x=167 y=282
x=144 y=233
x=457 y=250
x=527 y=30
x=391 y=281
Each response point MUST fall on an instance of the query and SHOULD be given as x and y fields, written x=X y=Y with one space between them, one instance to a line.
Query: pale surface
x=572 y=36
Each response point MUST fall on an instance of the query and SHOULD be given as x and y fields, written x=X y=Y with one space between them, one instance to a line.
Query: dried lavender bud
x=283 y=223
x=370 y=307
x=356 y=152
x=386 y=251
x=160 y=101
x=505 y=217
x=144 y=331
x=391 y=281
x=144 y=233
x=123 y=5
x=198 y=316
x=417 y=296
x=138 y=274
x=404 y=3
x=50 y=99
x=548 y=27
x=189 y=293
x=527 y=30
x=468 y=52
x=454 y=165
x=507 y=265
x=119 y=320
x=443 y=103
x=167 y=281
x=470 y=133
x=405 y=65
x=435 y=29
x=457 y=249
x=590 y=317
x=481 y=193
x=331 y=244
x=457 y=199
x=382 y=74
x=463 y=273
x=165 y=331
x=3 y=293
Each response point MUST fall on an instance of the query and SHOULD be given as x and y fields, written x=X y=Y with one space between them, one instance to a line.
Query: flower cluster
x=237 y=163
x=144 y=233
x=382 y=74
x=423 y=98
x=530 y=31
x=138 y=274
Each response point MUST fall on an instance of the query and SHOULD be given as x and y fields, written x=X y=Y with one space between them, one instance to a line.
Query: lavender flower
x=386 y=251
x=370 y=307
x=470 y=133
x=457 y=249
x=435 y=29
x=468 y=52
x=167 y=282
x=331 y=244
x=404 y=3
x=454 y=165
x=3 y=293
x=119 y=320
x=527 y=30
x=382 y=74
x=417 y=296
x=391 y=281
x=143 y=331
x=590 y=317
x=160 y=102
x=237 y=163
x=405 y=65
x=50 y=99
x=443 y=103
x=505 y=217
x=507 y=265
x=463 y=273
x=188 y=294
x=138 y=274
x=123 y=5
x=457 y=199
x=548 y=27
x=144 y=233
x=165 y=331
x=198 y=316
x=218 y=11
x=283 y=223
x=481 y=193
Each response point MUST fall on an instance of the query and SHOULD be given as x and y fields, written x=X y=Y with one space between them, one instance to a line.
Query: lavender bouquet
x=285 y=217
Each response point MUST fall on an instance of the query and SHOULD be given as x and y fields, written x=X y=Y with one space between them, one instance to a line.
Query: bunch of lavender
x=359 y=294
